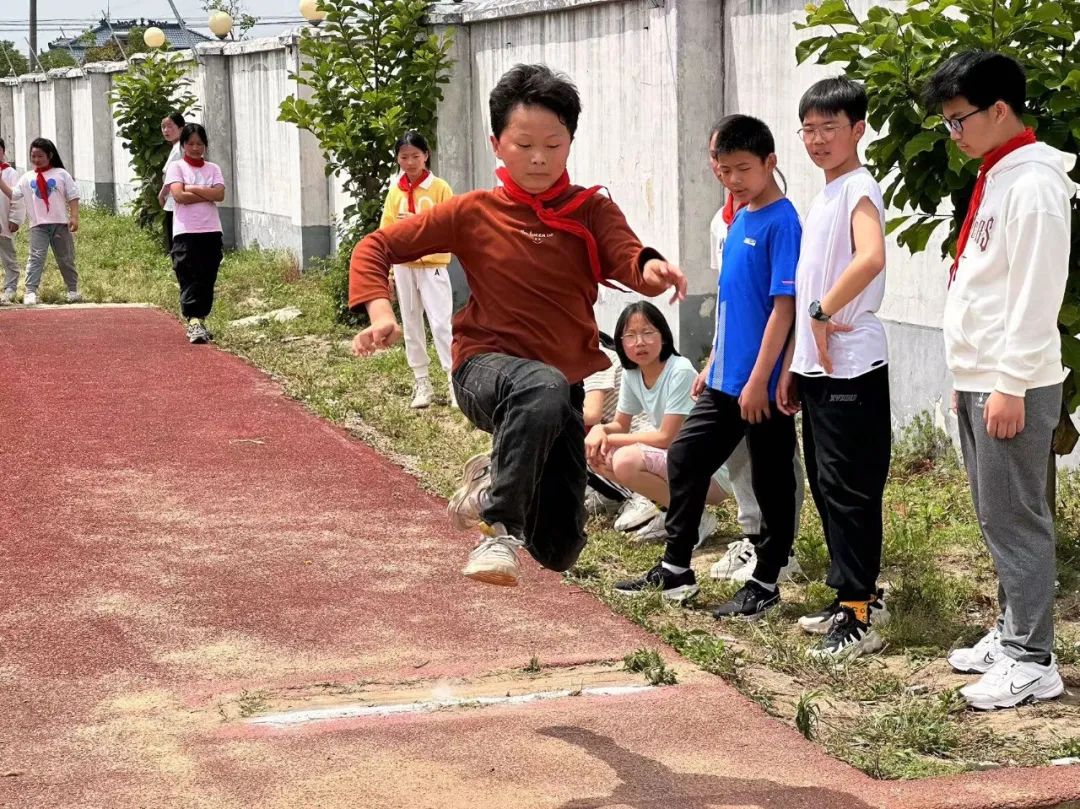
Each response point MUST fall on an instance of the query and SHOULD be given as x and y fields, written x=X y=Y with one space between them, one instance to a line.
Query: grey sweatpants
x=1008 y=486
x=738 y=467
x=63 y=245
x=10 y=262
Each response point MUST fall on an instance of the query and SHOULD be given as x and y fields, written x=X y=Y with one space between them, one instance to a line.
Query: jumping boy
x=533 y=251
x=1004 y=350
x=737 y=393
x=840 y=361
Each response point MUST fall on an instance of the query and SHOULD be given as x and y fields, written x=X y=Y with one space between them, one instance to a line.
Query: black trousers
x=847 y=442
x=168 y=228
x=196 y=258
x=709 y=435
x=538 y=451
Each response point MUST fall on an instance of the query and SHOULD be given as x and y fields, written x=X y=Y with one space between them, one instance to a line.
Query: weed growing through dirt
x=250 y=703
x=533 y=666
x=652 y=665
x=808 y=714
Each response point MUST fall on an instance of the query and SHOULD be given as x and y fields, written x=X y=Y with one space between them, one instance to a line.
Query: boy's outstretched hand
x=661 y=273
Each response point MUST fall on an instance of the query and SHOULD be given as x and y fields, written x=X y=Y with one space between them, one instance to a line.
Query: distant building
x=176 y=38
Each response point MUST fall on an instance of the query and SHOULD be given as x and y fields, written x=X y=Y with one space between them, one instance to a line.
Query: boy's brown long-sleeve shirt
x=532 y=287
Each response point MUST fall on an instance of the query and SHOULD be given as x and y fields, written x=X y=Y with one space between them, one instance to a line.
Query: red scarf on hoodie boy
x=42 y=186
x=409 y=187
x=559 y=218
x=990 y=159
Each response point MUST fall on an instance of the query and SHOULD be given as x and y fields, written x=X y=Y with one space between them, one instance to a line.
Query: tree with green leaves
x=57 y=57
x=12 y=63
x=893 y=53
x=149 y=90
x=374 y=70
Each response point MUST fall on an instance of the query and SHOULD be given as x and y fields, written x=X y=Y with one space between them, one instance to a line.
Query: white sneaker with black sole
x=636 y=511
x=848 y=638
x=981 y=657
x=1011 y=682
x=673 y=586
x=819 y=623
x=787 y=572
x=494 y=561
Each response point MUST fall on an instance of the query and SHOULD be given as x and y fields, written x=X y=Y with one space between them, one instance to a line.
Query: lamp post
x=221 y=24
x=154 y=37
x=312 y=12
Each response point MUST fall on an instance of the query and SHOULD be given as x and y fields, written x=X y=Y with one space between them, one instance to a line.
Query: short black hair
x=534 y=85
x=177 y=118
x=982 y=77
x=741 y=133
x=49 y=148
x=659 y=322
x=412 y=138
x=838 y=94
x=3 y=145
x=194 y=129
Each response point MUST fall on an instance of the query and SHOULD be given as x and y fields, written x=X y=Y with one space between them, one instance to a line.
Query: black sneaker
x=819 y=623
x=848 y=638
x=673 y=586
x=750 y=601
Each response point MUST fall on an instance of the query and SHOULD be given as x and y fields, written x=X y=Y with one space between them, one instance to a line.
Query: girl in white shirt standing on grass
x=52 y=203
x=11 y=216
x=171 y=126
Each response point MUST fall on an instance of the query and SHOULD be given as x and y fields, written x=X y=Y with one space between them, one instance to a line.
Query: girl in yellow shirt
x=423 y=287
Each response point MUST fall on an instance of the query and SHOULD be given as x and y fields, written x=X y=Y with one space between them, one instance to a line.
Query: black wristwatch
x=818 y=313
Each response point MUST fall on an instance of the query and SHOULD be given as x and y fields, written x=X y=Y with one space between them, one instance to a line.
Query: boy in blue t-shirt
x=736 y=393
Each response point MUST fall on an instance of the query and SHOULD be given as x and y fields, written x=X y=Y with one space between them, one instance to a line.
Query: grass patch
x=893 y=716
x=652 y=665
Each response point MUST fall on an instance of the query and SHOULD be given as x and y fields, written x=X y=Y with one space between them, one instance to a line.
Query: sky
x=15 y=16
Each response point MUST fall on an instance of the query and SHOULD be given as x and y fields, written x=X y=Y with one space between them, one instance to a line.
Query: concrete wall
x=653 y=74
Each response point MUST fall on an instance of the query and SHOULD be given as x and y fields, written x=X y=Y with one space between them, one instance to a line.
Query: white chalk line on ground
x=302 y=717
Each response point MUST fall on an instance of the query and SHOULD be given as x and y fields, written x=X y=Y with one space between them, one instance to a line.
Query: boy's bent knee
x=558 y=559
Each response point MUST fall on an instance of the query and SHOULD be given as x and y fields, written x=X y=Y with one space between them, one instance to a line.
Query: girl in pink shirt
x=197 y=186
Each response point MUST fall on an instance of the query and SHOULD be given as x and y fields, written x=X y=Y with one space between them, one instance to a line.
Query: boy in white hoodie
x=11 y=216
x=1003 y=347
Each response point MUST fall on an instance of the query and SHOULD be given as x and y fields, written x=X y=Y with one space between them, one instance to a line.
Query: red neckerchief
x=4 y=166
x=1025 y=138
x=409 y=187
x=558 y=218
x=197 y=162
x=42 y=186
x=730 y=209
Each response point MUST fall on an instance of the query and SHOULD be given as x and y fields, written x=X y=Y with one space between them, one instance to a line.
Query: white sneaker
x=74 y=296
x=706 y=528
x=596 y=504
x=29 y=299
x=7 y=296
x=464 y=508
x=1010 y=682
x=738 y=555
x=423 y=393
x=746 y=572
x=494 y=561
x=653 y=529
x=637 y=511
x=979 y=658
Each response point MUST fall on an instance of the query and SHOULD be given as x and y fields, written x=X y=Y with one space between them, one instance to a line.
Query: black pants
x=709 y=435
x=538 y=452
x=167 y=227
x=196 y=258
x=847 y=442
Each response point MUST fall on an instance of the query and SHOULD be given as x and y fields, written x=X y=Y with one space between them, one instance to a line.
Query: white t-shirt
x=61 y=190
x=11 y=212
x=669 y=395
x=174 y=154
x=717 y=234
x=827 y=249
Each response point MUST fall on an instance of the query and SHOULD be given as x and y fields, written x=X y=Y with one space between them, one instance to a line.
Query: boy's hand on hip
x=669 y=276
x=698 y=387
x=379 y=335
x=754 y=402
x=787 y=394
x=822 y=332
x=1004 y=415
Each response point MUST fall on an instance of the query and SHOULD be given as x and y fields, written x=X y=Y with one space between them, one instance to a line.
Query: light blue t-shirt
x=669 y=395
x=760 y=255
